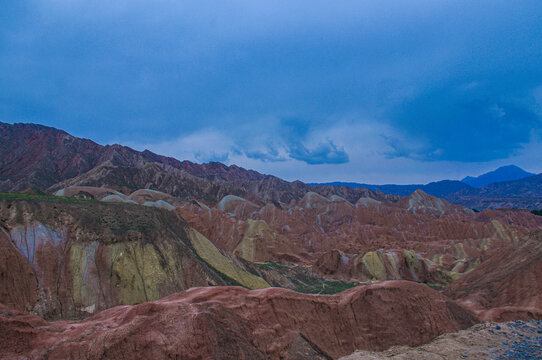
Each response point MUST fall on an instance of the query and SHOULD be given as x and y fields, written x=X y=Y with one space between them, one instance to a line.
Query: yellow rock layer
x=257 y=231
x=485 y=245
x=76 y=265
x=412 y=260
x=448 y=276
x=460 y=251
x=136 y=272
x=139 y=272
x=437 y=259
x=503 y=233
x=374 y=265
x=208 y=252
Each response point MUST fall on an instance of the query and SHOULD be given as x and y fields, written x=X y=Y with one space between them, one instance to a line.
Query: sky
x=365 y=91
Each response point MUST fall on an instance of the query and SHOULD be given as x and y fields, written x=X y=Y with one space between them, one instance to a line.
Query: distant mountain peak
x=504 y=173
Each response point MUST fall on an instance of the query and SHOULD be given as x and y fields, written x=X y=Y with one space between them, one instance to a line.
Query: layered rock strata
x=235 y=323
x=71 y=258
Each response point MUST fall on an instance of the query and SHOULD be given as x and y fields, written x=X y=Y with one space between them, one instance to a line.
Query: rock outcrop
x=488 y=340
x=71 y=258
x=235 y=323
x=36 y=156
x=507 y=285
x=419 y=238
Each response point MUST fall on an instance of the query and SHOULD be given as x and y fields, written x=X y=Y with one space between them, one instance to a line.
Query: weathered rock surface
x=17 y=280
x=235 y=323
x=36 y=156
x=510 y=340
x=419 y=238
x=146 y=197
x=71 y=258
x=506 y=286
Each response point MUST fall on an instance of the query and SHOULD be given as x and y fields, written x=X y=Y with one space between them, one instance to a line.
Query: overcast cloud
x=389 y=91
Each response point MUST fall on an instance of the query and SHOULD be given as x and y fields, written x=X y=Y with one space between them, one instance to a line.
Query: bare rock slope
x=510 y=340
x=506 y=286
x=66 y=258
x=419 y=238
x=235 y=323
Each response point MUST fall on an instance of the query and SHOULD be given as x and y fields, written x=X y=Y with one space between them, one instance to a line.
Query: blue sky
x=381 y=92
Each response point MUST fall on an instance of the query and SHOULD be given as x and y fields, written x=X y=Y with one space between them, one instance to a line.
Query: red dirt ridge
x=235 y=323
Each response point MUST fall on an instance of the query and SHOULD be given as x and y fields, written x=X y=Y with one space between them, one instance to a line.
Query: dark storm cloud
x=455 y=78
x=466 y=124
x=323 y=153
x=269 y=154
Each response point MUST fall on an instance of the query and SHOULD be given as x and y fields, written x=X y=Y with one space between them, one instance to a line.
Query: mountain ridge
x=443 y=187
x=525 y=192
x=435 y=188
x=38 y=157
x=501 y=174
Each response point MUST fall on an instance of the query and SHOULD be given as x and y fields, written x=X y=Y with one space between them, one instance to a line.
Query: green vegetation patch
x=323 y=287
x=434 y=286
x=307 y=284
x=42 y=197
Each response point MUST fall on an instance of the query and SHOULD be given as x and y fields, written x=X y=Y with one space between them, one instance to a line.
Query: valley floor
x=499 y=341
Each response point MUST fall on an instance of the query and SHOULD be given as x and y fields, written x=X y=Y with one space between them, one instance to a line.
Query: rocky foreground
x=235 y=323
x=500 y=341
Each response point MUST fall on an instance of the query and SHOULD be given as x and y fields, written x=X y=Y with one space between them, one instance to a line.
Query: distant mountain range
x=508 y=187
x=35 y=157
x=438 y=188
x=524 y=193
x=444 y=187
x=504 y=173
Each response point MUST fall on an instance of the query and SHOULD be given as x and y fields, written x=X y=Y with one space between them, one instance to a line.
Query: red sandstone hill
x=64 y=259
x=227 y=323
x=234 y=323
x=44 y=158
x=506 y=286
x=36 y=156
x=419 y=238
